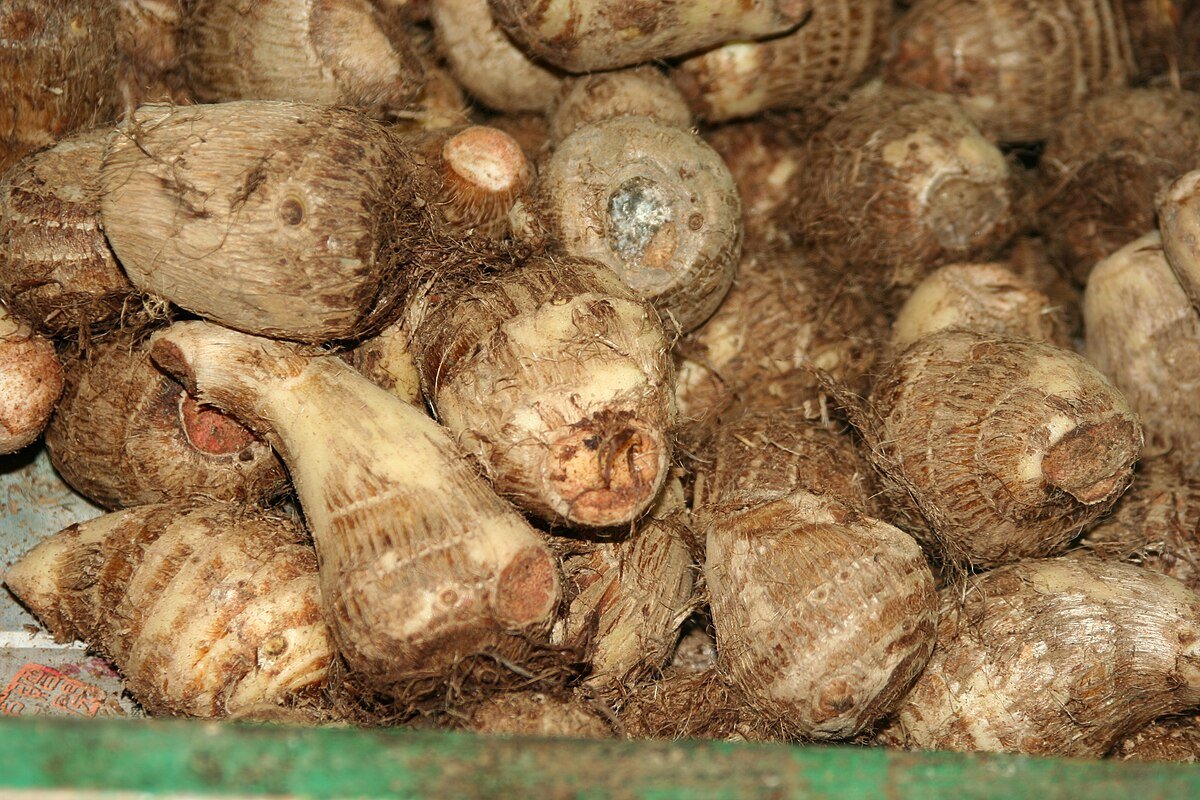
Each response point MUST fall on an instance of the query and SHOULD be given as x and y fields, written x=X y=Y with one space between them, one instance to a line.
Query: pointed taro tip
x=1093 y=462
x=171 y=358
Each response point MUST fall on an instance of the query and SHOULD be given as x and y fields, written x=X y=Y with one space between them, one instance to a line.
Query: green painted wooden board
x=192 y=758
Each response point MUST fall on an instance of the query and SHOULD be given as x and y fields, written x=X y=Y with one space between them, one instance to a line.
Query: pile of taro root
x=774 y=370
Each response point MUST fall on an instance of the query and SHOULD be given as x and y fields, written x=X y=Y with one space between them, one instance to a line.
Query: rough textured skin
x=537 y=714
x=1029 y=257
x=771 y=453
x=60 y=71
x=764 y=156
x=1155 y=524
x=606 y=34
x=275 y=218
x=56 y=268
x=1059 y=657
x=1155 y=28
x=150 y=36
x=1169 y=739
x=986 y=298
x=421 y=564
x=325 y=52
x=825 y=57
x=208 y=610
x=1015 y=65
x=628 y=598
x=31 y=381
x=1103 y=165
x=824 y=616
x=1179 y=222
x=786 y=312
x=653 y=202
x=690 y=704
x=899 y=181
x=639 y=91
x=557 y=379
x=1144 y=334
x=486 y=63
x=992 y=449
x=387 y=361
x=126 y=434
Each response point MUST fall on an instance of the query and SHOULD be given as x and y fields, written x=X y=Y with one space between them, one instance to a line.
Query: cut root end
x=607 y=475
x=1092 y=463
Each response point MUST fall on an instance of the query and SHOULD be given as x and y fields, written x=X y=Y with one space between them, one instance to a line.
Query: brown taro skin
x=639 y=91
x=207 y=609
x=538 y=714
x=60 y=70
x=1144 y=334
x=992 y=449
x=1054 y=657
x=1103 y=165
x=1169 y=739
x=31 y=383
x=824 y=616
x=900 y=181
x=127 y=434
x=57 y=270
x=763 y=155
x=1015 y=65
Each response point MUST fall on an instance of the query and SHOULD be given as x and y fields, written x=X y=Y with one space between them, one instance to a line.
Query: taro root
x=825 y=57
x=538 y=714
x=150 y=36
x=531 y=131
x=31 y=382
x=1059 y=657
x=899 y=181
x=1029 y=257
x=422 y=566
x=653 y=202
x=986 y=298
x=207 y=609
x=326 y=52
x=1144 y=334
x=824 y=616
x=688 y=704
x=629 y=597
x=387 y=361
x=486 y=63
x=127 y=434
x=290 y=220
x=557 y=379
x=763 y=155
x=1155 y=524
x=60 y=71
x=56 y=268
x=772 y=453
x=1168 y=739
x=787 y=312
x=1103 y=165
x=1015 y=65
x=1179 y=221
x=992 y=449
x=606 y=34
x=640 y=91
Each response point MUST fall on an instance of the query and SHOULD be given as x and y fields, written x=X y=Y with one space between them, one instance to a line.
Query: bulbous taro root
x=422 y=566
x=991 y=449
x=1058 y=657
x=828 y=55
x=639 y=91
x=1155 y=524
x=295 y=221
x=56 y=268
x=1144 y=334
x=787 y=311
x=1167 y=739
x=538 y=714
x=325 y=52
x=653 y=202
x=824 y=616
x=1103 y=165
x=986 y=298
x=772 y=453
x=607 y=34
x=899 y=181
x=31 y=382
x=486 y=62
x=60 y=71
x=1015 y=65
x=127 y=434
x=629 y=597
x=1178 y=221
x=207 y=609
x=557 y=379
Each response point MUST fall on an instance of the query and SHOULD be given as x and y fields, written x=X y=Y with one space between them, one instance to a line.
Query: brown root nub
x=485 y=169
x=527 y=589
x=1081 y=464
x=606 y=472
x=963 y=210
x=210 y=430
